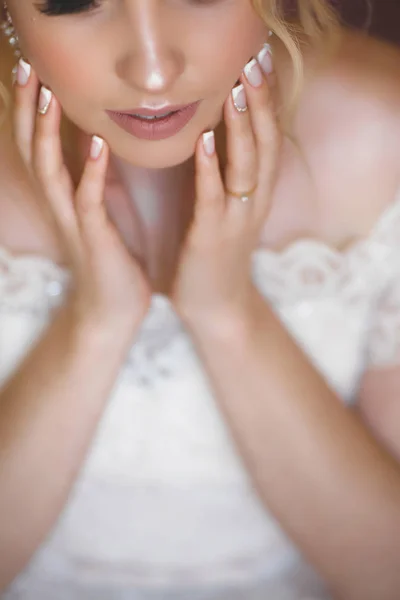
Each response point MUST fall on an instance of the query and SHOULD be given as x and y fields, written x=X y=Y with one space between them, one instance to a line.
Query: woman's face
x=126 y=55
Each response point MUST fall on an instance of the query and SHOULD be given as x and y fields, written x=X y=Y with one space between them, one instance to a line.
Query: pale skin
x=347 y=124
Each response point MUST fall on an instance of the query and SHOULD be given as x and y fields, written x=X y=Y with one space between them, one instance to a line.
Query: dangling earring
x=8 y=29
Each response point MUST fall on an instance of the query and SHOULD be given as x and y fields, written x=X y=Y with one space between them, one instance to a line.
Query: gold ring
x=243 y=196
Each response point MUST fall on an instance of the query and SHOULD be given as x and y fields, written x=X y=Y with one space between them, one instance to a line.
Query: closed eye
x=66 y=7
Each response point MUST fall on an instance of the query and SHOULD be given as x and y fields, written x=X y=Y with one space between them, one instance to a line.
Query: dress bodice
x=163 y=504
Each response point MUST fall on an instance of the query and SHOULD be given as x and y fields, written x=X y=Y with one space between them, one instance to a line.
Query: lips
x=155 y=124
x=154 y=112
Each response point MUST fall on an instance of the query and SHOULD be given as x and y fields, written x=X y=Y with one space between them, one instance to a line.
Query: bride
x=199 y=303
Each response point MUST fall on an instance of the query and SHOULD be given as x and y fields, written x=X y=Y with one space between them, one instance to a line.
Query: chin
x=156 y=155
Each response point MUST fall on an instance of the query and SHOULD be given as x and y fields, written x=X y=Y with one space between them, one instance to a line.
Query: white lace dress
x=163 y=508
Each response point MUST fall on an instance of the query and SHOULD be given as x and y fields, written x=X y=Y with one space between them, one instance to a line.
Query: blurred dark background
x=380 y=17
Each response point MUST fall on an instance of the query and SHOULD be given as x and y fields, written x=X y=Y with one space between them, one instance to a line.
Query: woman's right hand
x=108 y=284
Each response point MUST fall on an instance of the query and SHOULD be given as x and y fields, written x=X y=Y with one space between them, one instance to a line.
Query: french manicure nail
x=44 y=100
x=209 y=142
x=253 y=73
x=23 y=72
x=264 y=57
x=239 y=98
x=96 y=147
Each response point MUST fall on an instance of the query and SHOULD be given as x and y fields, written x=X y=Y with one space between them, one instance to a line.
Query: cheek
x=59 y=65
x=225 y=53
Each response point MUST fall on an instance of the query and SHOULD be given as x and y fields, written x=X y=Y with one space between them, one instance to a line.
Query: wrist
x=231 y=323
x=93 y=327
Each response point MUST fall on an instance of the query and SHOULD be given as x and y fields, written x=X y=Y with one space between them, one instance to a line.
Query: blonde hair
x=294 y=22
x=297 y=23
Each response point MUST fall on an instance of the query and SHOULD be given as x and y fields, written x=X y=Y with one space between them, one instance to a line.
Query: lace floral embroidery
x=160 y=346
x=30 y=284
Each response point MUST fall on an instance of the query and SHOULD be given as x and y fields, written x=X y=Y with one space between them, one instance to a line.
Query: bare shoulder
x=348 y=123
x=360 y=85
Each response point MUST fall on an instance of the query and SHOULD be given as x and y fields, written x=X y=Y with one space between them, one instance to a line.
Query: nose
x=154 y=60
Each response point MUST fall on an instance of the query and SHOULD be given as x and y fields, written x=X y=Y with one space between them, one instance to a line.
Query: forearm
x=333 y=489
x=48 y=415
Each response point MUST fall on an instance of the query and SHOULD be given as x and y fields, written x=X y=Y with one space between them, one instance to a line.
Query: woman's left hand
x=214 y=280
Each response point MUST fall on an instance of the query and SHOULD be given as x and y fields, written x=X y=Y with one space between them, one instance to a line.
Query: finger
x=48 y=162
x=89 y=200
x=242 y=165
x=47 y=152
x=24 y=115
x=265 y=129
x=209 y=187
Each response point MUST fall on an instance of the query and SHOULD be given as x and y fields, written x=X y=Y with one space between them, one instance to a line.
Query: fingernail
x=264 y=57
x=209 y=142
x=253 y=73
x=23 y=72
x=239 y=98
x=96 y=147
x=44 y=100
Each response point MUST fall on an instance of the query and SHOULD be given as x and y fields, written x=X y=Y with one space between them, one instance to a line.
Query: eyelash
x=67 y=7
